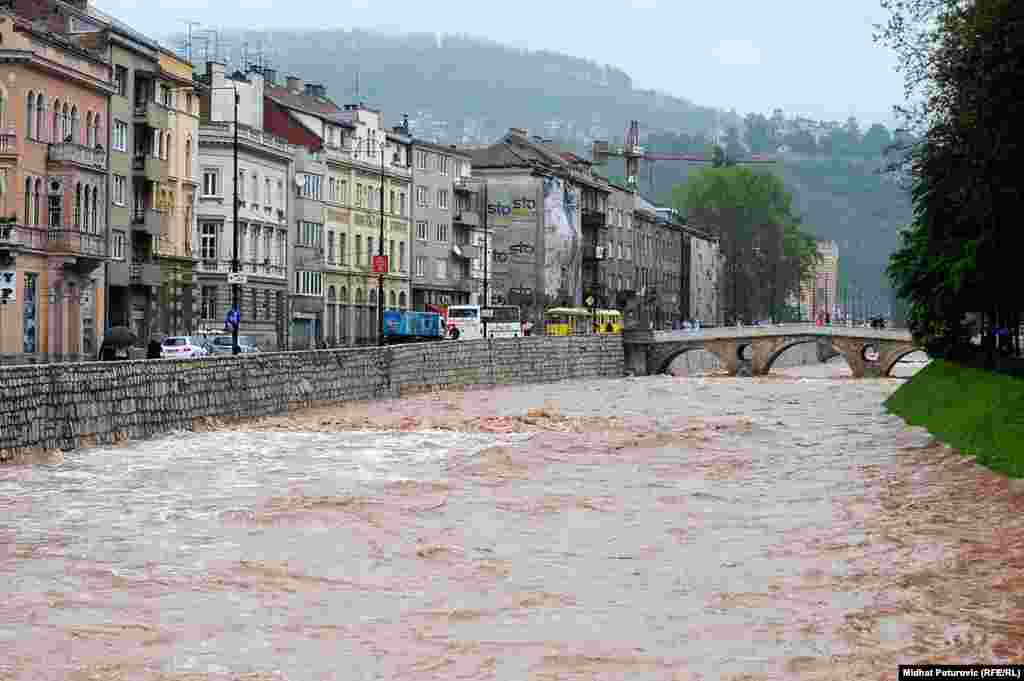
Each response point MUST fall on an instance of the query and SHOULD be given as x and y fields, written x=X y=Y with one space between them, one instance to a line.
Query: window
x=421 y=160
x=369 y=249
x=120 y=190
x=209 y=302
x=421 y=266
x=308 y=283
x=442 y=199
x=121 y=80
x=120 y=140
x=442 y=162
x=267 y=196
x=55 y=212
x=117 y=244
x=394 y=204
x=421 y=195
x=310 y=234
x=255 y=189
x=30 y=117
x=343 y=192
x=342 y=250
x=441 y=232
x=211 y=182
x=188 y=103
x=391 y=256
x=401 y=203
x=166 y=96
x=401 y=256
x=310 y=186
x=441 y=268
x=359 y=250
x=360 y=196
x=421 y=230
x=330 y=247
x=208 y=240
x=241 y=185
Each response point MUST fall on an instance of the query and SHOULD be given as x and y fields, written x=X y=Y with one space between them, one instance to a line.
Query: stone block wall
x=67 y=406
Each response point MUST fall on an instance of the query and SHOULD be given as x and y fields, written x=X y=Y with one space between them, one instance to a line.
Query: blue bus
x=412 y=327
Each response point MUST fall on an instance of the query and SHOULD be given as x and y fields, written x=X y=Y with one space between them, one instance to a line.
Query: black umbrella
x=119 y=337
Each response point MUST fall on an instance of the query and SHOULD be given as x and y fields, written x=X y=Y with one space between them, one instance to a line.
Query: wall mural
x=562 y=247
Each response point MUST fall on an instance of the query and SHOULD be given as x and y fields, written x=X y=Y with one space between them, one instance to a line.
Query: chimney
x=215 y=70
x=295 y=85
x=308 y=91
x=517 y=131
x=270 y=76
x=319 y=90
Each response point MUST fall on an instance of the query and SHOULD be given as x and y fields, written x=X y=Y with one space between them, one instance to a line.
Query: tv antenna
x=188 y=36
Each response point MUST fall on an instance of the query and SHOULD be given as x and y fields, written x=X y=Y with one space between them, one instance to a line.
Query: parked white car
x=182 y=347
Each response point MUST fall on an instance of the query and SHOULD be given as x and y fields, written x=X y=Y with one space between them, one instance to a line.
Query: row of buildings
x=117 y=180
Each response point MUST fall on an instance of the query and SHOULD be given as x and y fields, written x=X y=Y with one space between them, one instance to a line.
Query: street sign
x=236 y=278
x=233 y=318
x=590 y=301
x=380 y=264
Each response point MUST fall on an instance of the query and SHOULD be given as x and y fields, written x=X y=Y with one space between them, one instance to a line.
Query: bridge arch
x=664 y=363
x=892 y=359
x=788 y=343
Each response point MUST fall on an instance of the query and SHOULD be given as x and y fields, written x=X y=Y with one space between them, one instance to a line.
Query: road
x=646 y=528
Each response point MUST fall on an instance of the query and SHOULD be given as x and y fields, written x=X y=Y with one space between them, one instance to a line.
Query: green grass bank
x=977 y=412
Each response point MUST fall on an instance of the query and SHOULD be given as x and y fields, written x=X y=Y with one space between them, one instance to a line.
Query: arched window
x=65 y=122
x=3 y=108
x=167 y=147
x=360 y=297
x=158 y=140
x=373 y=297
x=36 y=199
x=401 y=300
x=30 y=116
x=391 y=300
x=55 y=128
x=187 y=170
x=97 y=138
x=87 y=133
x=28 y=200
x=343 y=296
x=95 y=209
x=41 y=117
x=76 y=128
x=78 y=204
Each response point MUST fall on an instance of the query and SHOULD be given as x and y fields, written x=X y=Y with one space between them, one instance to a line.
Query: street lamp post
x=380 y=252
x=235 y=316
x=486 y=299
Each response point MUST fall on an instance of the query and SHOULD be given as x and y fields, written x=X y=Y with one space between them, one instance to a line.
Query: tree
x=767 y=255
x=957 y=255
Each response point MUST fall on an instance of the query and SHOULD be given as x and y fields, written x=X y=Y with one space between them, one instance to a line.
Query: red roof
x=314 y=105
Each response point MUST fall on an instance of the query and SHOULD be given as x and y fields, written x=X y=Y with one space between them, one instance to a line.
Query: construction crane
x=633 y=153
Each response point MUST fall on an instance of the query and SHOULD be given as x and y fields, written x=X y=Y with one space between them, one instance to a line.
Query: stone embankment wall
x=702 y=362
x=67 y=406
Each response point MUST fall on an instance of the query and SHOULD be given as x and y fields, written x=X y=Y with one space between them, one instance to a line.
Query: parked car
x=221 y=345
x=182 y=347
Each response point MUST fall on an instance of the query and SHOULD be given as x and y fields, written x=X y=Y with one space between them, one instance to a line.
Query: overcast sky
x=814 y=57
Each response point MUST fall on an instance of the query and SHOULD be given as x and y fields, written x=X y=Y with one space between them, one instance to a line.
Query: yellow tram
x=575 y=321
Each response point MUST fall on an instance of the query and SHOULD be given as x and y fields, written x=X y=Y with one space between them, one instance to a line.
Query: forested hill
x=463 y=89
x=459 y=89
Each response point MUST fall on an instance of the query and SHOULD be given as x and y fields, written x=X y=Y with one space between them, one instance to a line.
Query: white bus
x=466 y=322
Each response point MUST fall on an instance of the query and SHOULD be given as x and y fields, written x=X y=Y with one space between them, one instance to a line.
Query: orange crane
x=633 y=153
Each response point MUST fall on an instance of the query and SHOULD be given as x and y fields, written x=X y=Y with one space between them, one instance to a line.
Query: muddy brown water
x=651 y=528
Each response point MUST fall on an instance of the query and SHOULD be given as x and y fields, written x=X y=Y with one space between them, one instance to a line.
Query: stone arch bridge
x=869 y=352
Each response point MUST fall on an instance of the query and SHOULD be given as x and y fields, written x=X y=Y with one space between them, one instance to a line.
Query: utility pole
x=235 y=288
x=486 y=297
x=380 y=252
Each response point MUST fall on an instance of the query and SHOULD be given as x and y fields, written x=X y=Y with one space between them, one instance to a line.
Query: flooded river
x=643 y=528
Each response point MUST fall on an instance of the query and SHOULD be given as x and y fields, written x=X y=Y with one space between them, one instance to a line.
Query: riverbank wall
x=68 y=406
x=978 y=412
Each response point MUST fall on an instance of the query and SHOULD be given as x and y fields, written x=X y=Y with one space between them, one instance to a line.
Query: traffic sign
x=236 y=278
x=590 y=301
x=380 y=264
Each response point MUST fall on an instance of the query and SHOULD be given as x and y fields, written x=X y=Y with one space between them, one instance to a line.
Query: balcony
x=593 y=252
x=309 y=258
x=150 y=221
x=152 y=114
x=144 y=273
x=468 y=218
x=264 y=269
x=593 y=218
x=151 y=167
x=463 y=185
x=90 y=249
x=225 y=133
x=8 y=143
x=22 y=238
x=78 y=154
